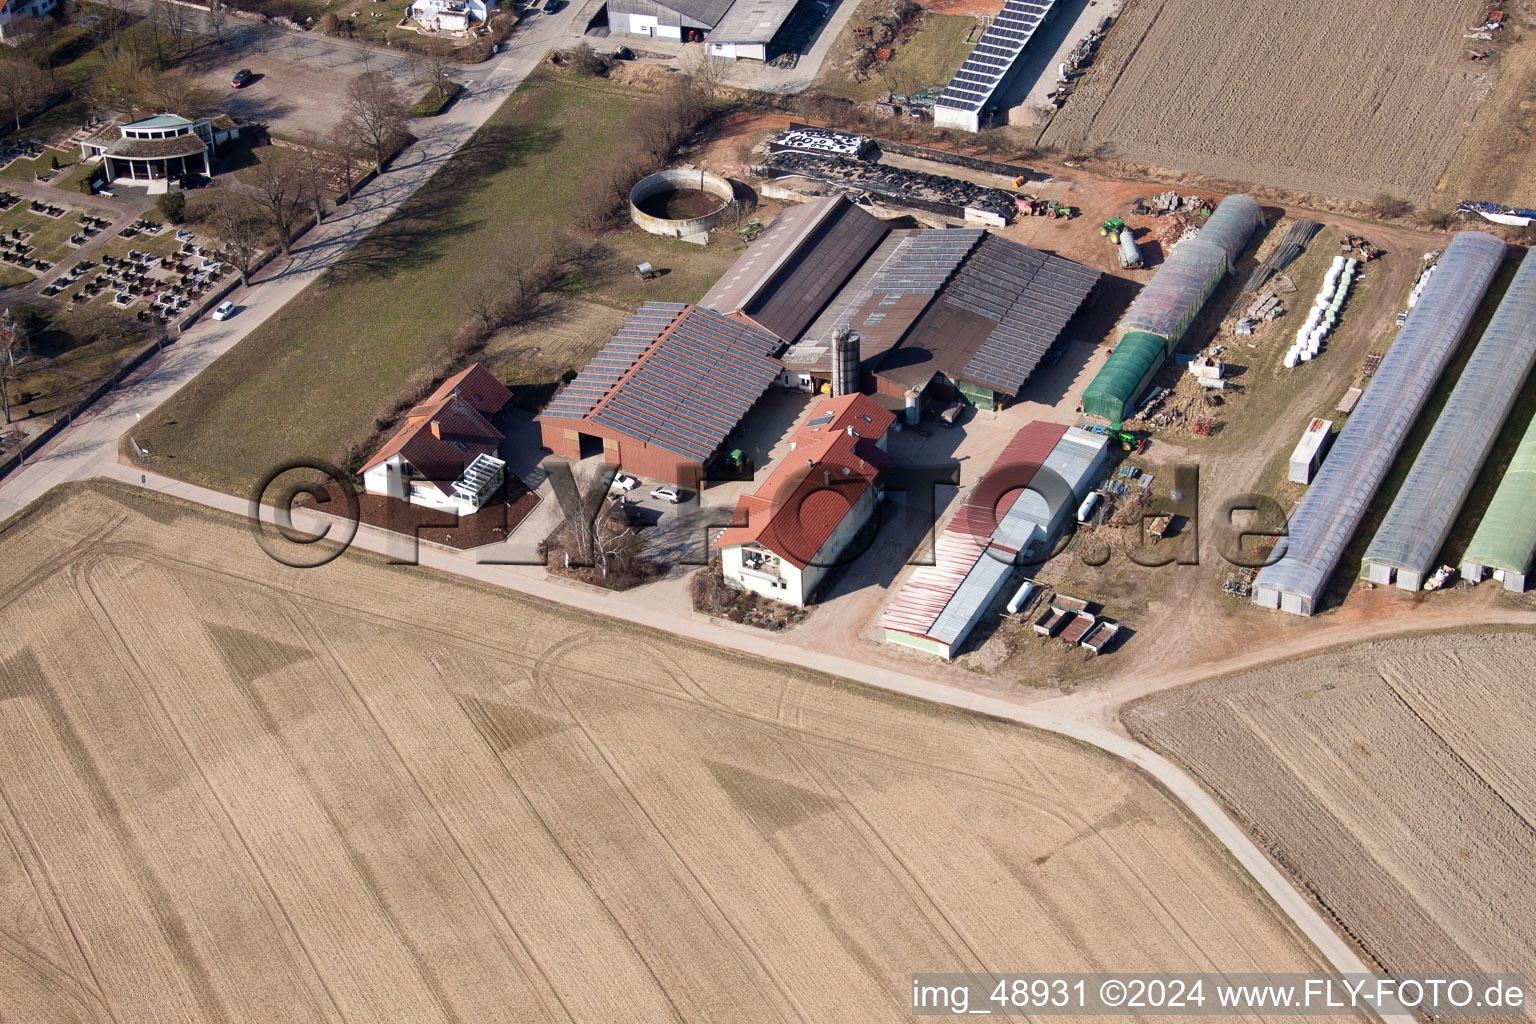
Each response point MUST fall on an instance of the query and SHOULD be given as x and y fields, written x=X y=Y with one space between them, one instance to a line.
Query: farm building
x=1309 y=451
x=972 y=92
x=1506 y=537
x=945 y=315
x=1404 y=548
x=1151 y=329
x=664 y=393
x=1331 y=510
x=1011 y=516
x=791 y=532
x=745 y=30
x=675 y=19
x=445 y=454
x=789 y=274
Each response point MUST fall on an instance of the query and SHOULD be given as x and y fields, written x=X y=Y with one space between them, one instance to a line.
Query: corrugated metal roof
x=752 y=21
x=1001 y=516
x=677 y=377
x=1331 y=510
x=763 y=258
x=1425 y=508
x=807 y=281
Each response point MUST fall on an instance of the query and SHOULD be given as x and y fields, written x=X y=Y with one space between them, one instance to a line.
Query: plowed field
x=1340 y=99
x=238 y=792
x=1395 y=780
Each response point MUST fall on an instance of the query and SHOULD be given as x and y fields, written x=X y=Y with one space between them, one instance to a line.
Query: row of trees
x=655 y=131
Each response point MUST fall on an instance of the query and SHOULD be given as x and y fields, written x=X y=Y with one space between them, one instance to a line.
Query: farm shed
x=748 y=27
x=789 y=274
x=1331 y=510
x=1309 y=451
x=664 y=20
x=1506 y=538
x=664 y=393
x=991 y=64
x=1426 y=506
x=1168 y=305
x=1010 y=516
x=957 y=313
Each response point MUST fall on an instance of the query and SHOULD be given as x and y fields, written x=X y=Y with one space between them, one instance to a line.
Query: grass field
x=374 y=793
x=1393 y=780
x=930 y=57
x=311 y=382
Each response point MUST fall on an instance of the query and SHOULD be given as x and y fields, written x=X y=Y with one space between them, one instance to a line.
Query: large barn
x=663 y=395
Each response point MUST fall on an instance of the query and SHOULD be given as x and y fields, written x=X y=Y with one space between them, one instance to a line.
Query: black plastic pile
x=896 y=183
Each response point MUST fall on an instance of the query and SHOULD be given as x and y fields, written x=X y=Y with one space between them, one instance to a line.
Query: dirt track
x=241 y=792
x=1341 y=99
x=1393 y=779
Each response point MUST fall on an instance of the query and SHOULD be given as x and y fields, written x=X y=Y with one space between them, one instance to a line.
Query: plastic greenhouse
x=1331 y=510
x=1124 y=376
x=1421 y=517
x=1168 y=305
x=1506 y=537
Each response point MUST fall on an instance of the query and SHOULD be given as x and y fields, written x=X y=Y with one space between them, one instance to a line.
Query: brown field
x=1401 y=792
x=238 y=792
x=1345 y=100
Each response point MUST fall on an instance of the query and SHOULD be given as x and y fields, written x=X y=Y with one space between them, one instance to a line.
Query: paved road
x=82 y=450
x=89 y=449
x=534 y=582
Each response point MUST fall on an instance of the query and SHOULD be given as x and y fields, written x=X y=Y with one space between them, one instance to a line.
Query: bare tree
x=179 y=93
x=106 y=22
x=23 y=86
x=119 y=81
x=174 y=19
x=344 y=143
x=217 y=17
x=280 y=194
x=313 y=167
x=437 y=64
x=374 y=112
x=12 y=343
x=240 y=226
x=706 y=73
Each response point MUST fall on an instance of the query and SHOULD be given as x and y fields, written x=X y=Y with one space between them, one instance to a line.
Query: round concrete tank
x=652 y=195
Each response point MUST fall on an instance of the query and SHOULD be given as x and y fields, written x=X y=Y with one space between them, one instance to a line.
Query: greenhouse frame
x=1329 y=513
x=1421 y=517
x=1506 y=538
x=1126 y=374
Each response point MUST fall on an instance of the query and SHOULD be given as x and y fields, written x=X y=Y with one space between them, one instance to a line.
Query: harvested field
x=1346 y=100
x=243 y=792
x=1401 y=792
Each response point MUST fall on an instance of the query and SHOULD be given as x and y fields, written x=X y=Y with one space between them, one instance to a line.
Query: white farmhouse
x=455 y=16
x=790 y=534
x=444 y=456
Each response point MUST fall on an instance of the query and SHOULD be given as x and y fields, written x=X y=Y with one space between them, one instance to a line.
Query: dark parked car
x=551 y=6
x=191 y=181
x=241 y=78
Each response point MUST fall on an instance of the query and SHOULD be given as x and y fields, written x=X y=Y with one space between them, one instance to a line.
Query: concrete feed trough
x=654 y=194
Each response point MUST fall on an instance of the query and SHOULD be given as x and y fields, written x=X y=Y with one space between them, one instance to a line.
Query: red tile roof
x=835 y=459
x=459 y=408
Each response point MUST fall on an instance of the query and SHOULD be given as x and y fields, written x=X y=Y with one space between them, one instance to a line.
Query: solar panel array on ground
x=995 y=54
x=677 y=377
x=1030 y=295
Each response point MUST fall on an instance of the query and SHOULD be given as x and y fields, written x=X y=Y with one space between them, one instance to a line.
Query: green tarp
x=1507 y=534
x=1121 y=380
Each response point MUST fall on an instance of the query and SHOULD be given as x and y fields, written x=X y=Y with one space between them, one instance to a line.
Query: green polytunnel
x=1506 y=537
x=1113 y=392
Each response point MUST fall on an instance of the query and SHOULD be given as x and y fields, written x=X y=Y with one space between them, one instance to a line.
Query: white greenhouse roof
x=1425 y=509
x=1331 y=510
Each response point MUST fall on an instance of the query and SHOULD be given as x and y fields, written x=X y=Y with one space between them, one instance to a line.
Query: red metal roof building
x=791 y=531
x=664 y=394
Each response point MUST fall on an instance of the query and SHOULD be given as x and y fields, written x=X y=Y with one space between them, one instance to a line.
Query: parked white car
x=224 y=310
x=623 y=483
x=667 y=494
